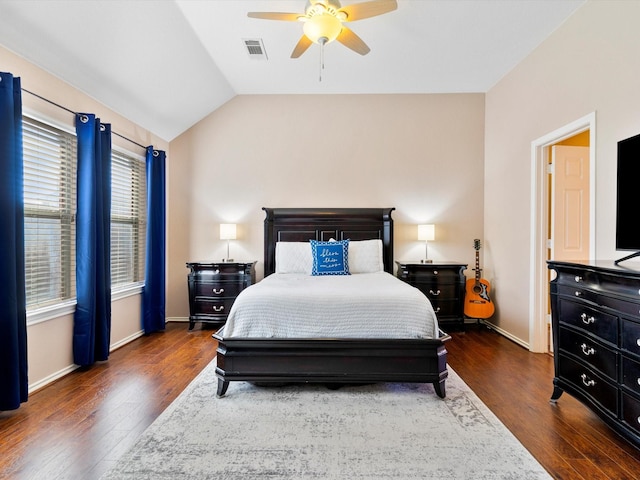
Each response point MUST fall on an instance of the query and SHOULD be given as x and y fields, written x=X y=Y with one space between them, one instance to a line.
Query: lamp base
x=426 y=261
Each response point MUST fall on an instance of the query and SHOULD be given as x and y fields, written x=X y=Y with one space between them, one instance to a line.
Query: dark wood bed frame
x=327 y=360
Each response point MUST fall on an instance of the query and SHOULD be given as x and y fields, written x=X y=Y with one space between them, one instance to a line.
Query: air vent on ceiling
x=255 y=48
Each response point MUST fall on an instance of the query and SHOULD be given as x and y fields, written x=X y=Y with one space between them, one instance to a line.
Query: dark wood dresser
x=443 y=283
x=214 y=286
x=595 y=312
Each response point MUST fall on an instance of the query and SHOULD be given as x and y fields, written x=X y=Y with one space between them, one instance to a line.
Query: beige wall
x=588 y=65
x=50 y=342
x=422 y=154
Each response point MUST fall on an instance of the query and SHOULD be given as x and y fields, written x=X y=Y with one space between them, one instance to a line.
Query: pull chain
x=322 y=42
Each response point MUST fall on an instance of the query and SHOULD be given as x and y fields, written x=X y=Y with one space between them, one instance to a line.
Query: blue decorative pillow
x=330 y=258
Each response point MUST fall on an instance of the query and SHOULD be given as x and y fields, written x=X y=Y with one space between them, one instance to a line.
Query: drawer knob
x=578 y=293
x=434 y=293
x=587 y=383
x=638 y=380
x=437 y=310
x=587 y=319
x=218 y=291
x=216 y=271
x=435 y=272
x=218 y=308
x=578 y=278
x=587 y=350
x=638 y=341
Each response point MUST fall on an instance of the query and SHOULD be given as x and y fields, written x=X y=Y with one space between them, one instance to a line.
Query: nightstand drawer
x=217 y=289
x=589 y=352
x=445 y=308
x=204 y=306
x=589 y=319
x=436 y=291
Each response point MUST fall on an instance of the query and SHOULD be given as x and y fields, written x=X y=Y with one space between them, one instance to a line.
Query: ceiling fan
x=323 y=22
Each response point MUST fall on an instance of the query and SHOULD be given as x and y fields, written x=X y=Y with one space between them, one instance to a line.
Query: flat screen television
x=628 y=197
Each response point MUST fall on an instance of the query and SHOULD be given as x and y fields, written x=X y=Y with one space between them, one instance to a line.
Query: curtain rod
x=75 y=113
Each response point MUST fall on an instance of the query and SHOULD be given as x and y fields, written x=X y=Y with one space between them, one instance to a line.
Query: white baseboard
x=504 y=333
x=51 y=378
x=178 y=319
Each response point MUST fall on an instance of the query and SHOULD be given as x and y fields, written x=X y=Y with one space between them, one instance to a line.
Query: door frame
x=540 y=192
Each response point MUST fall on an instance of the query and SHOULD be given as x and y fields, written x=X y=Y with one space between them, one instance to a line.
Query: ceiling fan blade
x=358 y=11
x=352 y=41
x=287 y=17
x=301 y=47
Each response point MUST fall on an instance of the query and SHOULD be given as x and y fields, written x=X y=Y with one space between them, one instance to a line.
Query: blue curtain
x=92 y=319
x=14 y=384
x=153 y=297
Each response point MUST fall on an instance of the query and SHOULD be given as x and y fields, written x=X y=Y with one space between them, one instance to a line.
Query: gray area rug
x=381 y=431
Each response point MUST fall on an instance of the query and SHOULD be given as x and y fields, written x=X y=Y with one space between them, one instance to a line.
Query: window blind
x=128 y=218
x=49 y=208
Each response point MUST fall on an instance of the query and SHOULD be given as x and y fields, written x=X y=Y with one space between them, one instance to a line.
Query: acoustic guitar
x=477 y=303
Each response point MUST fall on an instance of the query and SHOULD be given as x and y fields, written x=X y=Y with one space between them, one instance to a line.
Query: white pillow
x=365 y=256
x=294 y=257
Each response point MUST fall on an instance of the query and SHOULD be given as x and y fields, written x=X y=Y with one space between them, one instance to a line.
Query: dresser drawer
x=589 y=382
x=631 y=374
x=590 y=352
x=217 y=289
x=221 y=307
x=591 y=320
x=631 y=412
x=628 y=306
x=631 y=336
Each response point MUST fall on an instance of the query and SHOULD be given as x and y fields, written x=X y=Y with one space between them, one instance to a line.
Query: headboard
x=304 y=224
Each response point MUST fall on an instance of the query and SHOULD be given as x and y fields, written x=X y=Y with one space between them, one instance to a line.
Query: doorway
x=542 y=192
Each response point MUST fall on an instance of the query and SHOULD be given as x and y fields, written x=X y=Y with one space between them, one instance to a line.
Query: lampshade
x=427 y=232
x=326 y=27
x=227 y=231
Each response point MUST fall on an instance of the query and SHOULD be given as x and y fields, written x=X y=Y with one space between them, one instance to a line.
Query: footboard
x=332 y=361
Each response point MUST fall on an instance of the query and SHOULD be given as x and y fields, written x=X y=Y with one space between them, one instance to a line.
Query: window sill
x=67 y=308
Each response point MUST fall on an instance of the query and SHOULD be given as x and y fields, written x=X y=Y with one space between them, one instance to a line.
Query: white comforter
x=367 y=305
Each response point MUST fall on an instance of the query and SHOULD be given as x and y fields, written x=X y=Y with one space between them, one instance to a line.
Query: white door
x=570 y=203
x=569 y=206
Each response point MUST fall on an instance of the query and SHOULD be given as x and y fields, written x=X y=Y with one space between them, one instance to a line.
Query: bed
x=276 y=357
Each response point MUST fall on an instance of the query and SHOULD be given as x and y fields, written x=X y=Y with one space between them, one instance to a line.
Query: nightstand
x=443 y=283
x=214 y=286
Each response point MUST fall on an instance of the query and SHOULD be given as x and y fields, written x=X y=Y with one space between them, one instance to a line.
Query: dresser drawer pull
x=638 y=380
x=218 y=308
x=587 y=350
x=434 y=293
x=578 y=293
x=578 y=278
x=587 y=320
x=436 y=310
x=435 y=272
x=218 y=291
x=587 y=383
x=638 y=342
x=216 y=271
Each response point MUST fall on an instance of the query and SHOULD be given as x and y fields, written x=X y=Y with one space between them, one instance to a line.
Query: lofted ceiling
x=166 y=64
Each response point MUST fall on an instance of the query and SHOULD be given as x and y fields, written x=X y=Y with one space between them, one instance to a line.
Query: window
x=49 y=210
x=128 y=218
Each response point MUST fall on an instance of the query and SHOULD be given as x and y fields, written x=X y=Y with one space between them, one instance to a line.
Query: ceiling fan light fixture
x=322 y=29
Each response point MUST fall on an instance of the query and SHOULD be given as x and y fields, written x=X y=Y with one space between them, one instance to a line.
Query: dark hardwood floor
x=77 y=427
